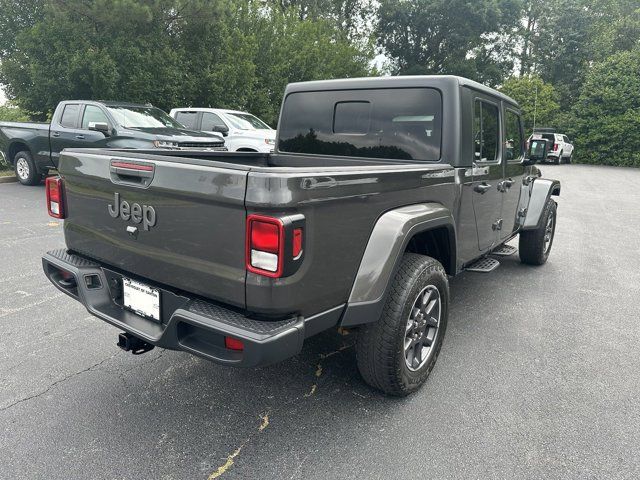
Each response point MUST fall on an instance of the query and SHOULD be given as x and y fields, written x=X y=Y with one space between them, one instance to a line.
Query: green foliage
x=242 y=53
x=9 y=113
x=542 y=106
x=222 y=53
x=606 y=118
x=460 y=37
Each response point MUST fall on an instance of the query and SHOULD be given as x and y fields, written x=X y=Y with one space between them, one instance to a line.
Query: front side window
x=486 y=131
x=395 y=123
x=513 y=136
x=210 y=120
x=70 y=115
x=142 y=117
x=93 y=114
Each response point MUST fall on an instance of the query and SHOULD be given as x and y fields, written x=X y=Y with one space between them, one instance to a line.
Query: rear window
x=375 y=123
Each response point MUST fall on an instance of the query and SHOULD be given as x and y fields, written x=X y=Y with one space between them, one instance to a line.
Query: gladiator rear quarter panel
x=384 y=250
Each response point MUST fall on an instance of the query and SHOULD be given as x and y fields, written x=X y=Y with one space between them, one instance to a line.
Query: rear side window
x=397 y=123
x=188 y=119
x=513 y=136
x=486 y=131
x=70 y=115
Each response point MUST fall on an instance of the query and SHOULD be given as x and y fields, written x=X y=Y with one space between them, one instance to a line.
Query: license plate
x=141 y=298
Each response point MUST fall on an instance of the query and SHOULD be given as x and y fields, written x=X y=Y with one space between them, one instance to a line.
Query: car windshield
x=246 y=121
x=142 y=117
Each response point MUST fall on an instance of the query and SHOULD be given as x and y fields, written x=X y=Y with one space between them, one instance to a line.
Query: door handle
x=55 y=134
x=80 y=137
x=482 y=188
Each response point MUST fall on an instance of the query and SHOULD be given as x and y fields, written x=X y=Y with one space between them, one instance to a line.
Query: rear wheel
x=25 y=169
x=535 y=245
x=397 y=353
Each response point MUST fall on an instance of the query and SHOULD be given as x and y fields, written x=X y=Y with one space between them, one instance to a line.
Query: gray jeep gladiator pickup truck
x=379 y=190
x=34 y=148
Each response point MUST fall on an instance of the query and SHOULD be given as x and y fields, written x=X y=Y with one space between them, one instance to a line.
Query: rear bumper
x=188 y=324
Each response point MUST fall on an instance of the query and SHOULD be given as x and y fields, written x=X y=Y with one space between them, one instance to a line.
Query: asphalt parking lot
x=539 y=375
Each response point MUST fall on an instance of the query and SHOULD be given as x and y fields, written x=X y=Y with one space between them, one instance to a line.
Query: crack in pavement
x=265 y=416
x=56 y=383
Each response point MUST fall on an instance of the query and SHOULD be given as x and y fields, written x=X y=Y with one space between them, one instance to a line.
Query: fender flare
x=540 y=192
x=383 y=254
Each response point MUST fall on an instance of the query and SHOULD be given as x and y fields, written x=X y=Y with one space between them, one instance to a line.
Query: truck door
x=487 y=170
x=64 y=131
x=91 y=138
x=514 y=171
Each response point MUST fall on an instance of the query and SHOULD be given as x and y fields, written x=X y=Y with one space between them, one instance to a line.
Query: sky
x=3 y=99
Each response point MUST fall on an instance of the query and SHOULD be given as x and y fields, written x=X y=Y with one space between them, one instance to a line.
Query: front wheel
x=535 y=245
x=25 y=169
x=396 y=353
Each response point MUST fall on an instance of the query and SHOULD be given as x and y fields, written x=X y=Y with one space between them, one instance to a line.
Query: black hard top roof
x=395 y=82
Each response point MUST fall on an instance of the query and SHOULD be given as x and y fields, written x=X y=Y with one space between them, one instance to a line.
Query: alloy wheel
x=422 y=328
x=22 y=168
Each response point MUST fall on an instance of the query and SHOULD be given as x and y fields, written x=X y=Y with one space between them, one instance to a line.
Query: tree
x=293 y=50
x=537 y=100
x=222 y=53
x=460 y=37
x=606 y=118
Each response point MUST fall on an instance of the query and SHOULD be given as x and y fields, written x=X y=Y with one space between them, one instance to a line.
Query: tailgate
x=170 y=221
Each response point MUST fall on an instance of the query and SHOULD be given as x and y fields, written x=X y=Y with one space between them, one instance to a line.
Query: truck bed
x=201 y=202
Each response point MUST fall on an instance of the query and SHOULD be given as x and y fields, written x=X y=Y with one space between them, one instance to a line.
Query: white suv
x=560 y=148
x=242 y=131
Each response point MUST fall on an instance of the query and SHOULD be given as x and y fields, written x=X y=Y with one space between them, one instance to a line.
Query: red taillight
x=55 y=198
x=555 y=147
x=265 y=245
x=233 y=344
x=265 y=236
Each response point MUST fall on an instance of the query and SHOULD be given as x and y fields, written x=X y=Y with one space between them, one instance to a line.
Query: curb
x=8 y=179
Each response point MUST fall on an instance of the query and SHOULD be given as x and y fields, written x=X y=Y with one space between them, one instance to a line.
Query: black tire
x=381 y=352
x=533 y=248
x=25 y=169
x=570 y=158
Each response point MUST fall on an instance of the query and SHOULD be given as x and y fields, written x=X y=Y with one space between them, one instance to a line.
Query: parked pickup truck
x=379 y=190
x=242 y=131
x=34 y=148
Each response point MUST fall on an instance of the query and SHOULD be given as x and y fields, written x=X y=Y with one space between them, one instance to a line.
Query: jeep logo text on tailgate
x=135 y=212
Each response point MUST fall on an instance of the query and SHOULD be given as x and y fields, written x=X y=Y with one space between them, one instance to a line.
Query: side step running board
x=504 y=250
x=484 y=265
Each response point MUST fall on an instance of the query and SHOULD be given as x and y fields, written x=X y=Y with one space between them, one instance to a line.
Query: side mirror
x=537 y=151
x=224 y=130
x=101 y=127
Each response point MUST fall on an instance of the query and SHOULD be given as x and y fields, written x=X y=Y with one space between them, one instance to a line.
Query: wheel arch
x=14 y=148
x=540 y=192
x=427 y=229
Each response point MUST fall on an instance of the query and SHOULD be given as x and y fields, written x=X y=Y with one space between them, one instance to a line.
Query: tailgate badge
x=133 y=231
x=139 y=214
